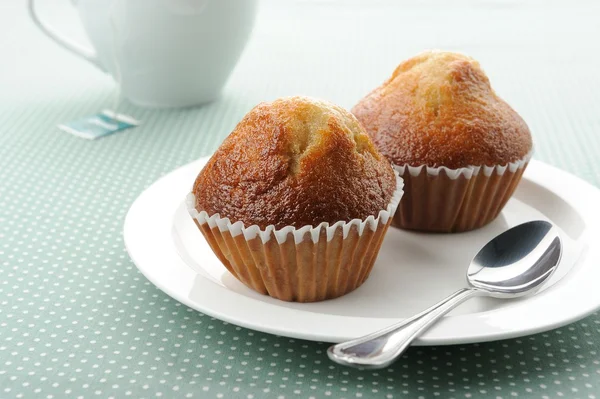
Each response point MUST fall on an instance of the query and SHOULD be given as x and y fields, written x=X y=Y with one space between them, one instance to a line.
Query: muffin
x=460 y=148
x=296 y=201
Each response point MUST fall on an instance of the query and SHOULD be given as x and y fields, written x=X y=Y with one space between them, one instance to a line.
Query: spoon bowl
x=515 y=263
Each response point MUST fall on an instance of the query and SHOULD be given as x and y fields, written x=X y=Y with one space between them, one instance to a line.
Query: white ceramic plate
x=413 y=271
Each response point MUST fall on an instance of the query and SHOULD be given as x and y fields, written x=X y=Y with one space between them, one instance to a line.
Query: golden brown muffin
x=288 y=167
x=296 y=161
x=438 y=109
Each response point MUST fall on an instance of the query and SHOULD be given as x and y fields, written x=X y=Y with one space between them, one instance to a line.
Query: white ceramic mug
x=163 y=53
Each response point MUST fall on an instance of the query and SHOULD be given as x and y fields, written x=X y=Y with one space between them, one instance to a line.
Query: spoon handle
x=382 y=348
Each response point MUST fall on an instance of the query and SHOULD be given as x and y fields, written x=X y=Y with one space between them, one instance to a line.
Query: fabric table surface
x=77 y=319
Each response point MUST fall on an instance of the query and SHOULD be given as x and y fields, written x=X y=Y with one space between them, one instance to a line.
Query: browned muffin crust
x=296 y=161
x=439 y=109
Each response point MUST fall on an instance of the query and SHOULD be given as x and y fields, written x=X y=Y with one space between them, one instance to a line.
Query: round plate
x=412 y=272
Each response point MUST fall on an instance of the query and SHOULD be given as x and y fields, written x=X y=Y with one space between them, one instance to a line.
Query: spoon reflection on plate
x=513 y=264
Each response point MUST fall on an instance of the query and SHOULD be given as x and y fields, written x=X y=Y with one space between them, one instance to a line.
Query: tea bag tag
x=99 y=125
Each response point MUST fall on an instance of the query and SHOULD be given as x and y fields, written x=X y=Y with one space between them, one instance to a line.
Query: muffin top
x=438 y=109
x=295 y=161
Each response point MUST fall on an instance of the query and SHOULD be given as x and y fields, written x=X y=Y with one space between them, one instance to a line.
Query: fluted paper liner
x=453 y=200
x=302 y=265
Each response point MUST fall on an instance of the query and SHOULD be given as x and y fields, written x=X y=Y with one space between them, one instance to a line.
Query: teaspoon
x=513 y=264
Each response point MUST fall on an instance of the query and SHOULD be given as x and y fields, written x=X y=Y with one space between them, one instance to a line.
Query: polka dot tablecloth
x=77 y=319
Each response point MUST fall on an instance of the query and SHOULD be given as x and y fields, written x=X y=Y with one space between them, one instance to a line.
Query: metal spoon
x=515 y=263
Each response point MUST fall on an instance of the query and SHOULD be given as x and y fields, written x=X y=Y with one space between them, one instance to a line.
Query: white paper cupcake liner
x=306 y=264
x=453 y=200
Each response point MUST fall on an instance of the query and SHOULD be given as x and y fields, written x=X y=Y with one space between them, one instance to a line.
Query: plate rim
x=536 y=168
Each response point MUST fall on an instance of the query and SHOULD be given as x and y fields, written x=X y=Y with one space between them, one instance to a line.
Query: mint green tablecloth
x=78 y=320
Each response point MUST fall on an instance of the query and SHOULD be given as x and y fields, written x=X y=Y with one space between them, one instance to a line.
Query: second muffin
x=460 y=148
x=297 y=200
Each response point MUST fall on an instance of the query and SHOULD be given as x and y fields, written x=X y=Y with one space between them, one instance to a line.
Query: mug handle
x=77 y=49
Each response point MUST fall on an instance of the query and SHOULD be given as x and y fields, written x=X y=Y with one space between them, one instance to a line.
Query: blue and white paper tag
x=99 y=125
